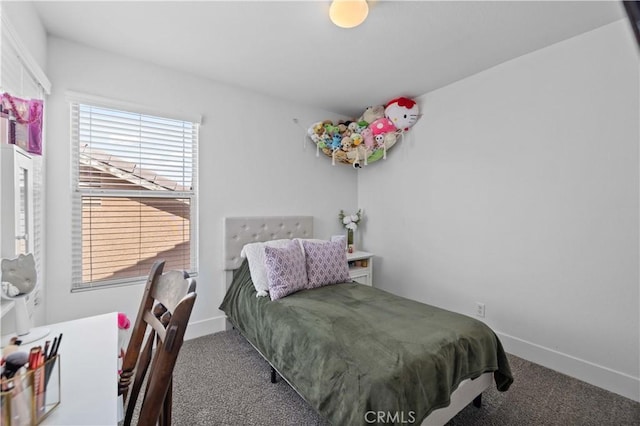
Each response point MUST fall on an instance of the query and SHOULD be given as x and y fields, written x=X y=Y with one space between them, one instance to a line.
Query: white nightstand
x=361 y=267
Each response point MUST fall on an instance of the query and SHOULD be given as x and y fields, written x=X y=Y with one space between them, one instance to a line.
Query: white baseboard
x=204 y=327
x=597 y=375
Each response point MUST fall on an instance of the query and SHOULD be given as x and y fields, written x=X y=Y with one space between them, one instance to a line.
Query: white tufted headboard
x=239 y=231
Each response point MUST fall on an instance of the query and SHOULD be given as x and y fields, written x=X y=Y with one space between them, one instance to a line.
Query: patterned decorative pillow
x=286 y=270
x=313 y=240
x=254 y=252
x=326 y=262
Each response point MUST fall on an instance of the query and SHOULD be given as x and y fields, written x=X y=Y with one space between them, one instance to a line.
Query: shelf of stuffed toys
x=366 y=139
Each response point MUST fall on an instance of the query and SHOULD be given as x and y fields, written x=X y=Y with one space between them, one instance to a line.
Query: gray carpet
x=221 y=380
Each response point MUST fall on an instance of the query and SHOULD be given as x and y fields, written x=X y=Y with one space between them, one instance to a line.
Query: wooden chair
x=161 y=322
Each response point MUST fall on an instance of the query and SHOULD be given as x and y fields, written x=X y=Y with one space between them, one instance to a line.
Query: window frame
x=21 y=76
x=79 y=192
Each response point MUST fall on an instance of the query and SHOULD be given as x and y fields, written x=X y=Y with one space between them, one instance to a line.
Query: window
x=21 y=76
x=135 y=188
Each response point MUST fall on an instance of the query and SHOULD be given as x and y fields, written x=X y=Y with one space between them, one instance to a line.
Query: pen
x=54 y=351
x=53 y=345
x=46 y=350
x=52 y=354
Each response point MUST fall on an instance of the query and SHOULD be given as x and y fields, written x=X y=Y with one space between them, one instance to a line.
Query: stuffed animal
x=381 y=126
x=389 y=140
x=341 y=155
x=357 y=155
x=346 y=143
x=375 y=155
x=403 y=112
x=325 y=138
x=331 y=129
x=367 y=136
x=123 y=334
x=371 y=114
x=312 y=134
x=336 y=142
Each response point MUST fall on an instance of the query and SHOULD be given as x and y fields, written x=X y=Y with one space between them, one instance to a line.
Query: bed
x=357 y=354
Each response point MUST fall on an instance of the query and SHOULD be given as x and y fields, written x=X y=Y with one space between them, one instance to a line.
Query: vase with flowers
x=350 y=223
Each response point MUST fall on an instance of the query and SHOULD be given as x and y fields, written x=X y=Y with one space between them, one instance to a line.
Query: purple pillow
x=286 y=271
x=326 y=263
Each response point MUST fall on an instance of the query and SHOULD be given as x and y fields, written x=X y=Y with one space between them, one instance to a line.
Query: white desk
x=88 y=371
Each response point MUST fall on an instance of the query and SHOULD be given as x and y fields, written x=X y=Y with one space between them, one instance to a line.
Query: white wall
x=25 y=21
x=252 y=162
x=519 y=188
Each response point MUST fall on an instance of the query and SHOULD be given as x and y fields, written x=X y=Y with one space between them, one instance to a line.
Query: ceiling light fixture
x=348 y=13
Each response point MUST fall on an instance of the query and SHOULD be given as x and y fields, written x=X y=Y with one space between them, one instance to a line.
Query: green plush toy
x=331 y=129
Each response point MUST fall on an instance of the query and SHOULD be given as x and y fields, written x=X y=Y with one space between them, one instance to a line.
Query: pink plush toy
x=123 y=321
x=367 y=135
x=382 y=125
x=123 y=327
x=403 y=112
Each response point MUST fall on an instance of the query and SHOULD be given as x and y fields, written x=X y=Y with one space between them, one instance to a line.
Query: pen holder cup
x=30 y=396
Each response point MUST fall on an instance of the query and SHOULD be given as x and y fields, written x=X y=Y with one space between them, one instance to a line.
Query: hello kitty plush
x=403 y=112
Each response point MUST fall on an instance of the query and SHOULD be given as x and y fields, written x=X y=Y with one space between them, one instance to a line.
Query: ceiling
x=292 y=51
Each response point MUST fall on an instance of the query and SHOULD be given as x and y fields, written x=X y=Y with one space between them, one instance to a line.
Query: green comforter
x=349 y=348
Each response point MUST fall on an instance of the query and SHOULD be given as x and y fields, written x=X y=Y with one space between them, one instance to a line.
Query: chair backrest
x=161 y=322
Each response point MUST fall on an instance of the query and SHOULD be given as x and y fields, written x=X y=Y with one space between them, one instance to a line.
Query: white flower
x=350 y=221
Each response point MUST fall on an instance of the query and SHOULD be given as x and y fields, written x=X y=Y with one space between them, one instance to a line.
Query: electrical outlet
x=480 y=309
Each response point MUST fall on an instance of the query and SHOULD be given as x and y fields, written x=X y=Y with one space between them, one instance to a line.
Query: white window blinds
x=135 y=182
